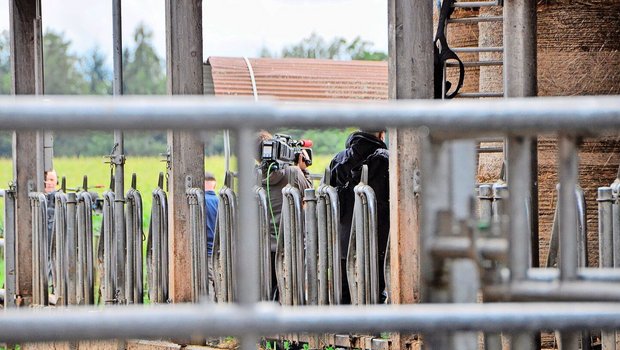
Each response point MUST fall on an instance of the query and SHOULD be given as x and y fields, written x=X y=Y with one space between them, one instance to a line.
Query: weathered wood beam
x=184 y=70
x=410 y=67
x=22 y=58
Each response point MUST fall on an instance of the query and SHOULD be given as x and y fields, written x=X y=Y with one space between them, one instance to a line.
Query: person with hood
x=362 y=147
x=274 y=180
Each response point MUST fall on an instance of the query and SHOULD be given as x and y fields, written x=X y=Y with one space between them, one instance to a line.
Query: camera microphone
x=305 y=143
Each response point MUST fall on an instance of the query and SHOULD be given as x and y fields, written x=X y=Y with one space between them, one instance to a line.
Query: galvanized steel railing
x=224 y=244
x=10 y=271
x=329 y=267
x=85 y=269
x=198 y=243
x=362 y=258
x=38 y=210
x=582 y=229
x=107 y=250
x=446 y=221
x=135 y=237
x=59 y=247
x=290 y=249
x=264 y=244
x=157 y=246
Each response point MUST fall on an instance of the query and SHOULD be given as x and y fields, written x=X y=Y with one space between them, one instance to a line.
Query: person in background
x=362 y=147
x=50 y=181
x=211 y=206
x=273 y=182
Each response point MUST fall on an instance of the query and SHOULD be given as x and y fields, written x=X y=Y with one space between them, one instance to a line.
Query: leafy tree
x=315 y=46
x=61 y=67
x=143 y=72
x=97 y=74
x=5 y=65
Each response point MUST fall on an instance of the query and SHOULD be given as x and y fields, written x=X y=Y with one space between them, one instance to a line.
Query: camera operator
x=274 y=180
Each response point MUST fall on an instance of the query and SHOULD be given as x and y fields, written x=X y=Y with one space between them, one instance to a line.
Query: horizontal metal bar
x=479 y=94
x=478 y=49
x=579 y=291
x=462 y=118
x=185 y=320
x=476 y=19
x=454 y=247
x=467 y=64
x=583 y=274
x=470 y=4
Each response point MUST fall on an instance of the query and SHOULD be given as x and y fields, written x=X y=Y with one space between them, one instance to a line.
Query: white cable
x=254 y=91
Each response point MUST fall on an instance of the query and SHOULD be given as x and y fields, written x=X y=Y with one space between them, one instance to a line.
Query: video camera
x=282 y=150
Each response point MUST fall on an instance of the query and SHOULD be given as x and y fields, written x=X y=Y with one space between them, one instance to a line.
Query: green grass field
x=147 y=170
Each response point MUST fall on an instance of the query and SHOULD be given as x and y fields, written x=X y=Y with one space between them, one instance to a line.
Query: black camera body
x=283 y=150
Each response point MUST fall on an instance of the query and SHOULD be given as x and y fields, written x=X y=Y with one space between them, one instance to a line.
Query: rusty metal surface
x=299 y=79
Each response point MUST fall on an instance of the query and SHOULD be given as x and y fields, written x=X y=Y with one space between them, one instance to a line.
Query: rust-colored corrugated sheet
x=298 y=79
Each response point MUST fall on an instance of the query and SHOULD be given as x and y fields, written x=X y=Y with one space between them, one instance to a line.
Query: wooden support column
x=410 y=77
x=22 y=17
x=184 y=70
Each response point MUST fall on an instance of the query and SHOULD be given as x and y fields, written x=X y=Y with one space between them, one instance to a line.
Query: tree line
x=69 y=73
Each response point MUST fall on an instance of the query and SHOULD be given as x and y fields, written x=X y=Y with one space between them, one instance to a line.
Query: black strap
x=443 y=53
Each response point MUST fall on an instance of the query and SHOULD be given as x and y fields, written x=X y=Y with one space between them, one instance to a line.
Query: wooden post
x=22 y=16
x=410 y=77
x=184 y=70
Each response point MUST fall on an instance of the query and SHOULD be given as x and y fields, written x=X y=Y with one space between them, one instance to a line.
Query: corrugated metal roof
x=297 y=79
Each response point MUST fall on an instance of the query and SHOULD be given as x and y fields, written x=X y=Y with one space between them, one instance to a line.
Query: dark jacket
x=211 y=203
x=345 y=173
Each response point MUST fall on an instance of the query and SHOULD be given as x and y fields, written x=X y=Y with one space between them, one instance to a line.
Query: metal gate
x=224 y=250
x=157 y=246
x=458 y=256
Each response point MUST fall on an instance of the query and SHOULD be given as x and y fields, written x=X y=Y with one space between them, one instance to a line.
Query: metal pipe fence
x=362 y=258
x=38 y=210
x=224 y=246
x=107 y=250
x=265 y=265
x=59 y=248
x=10 y=252
x=582 y=229
x=157 y=246
x=290 y=255
x=198 y=243
x=444 y=218
x=85 y=261
x=135 y=236
x=329 y=267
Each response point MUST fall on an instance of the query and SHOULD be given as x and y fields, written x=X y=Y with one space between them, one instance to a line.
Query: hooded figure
x=362 y=147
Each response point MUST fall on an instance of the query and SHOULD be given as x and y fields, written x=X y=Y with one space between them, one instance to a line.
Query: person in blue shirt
x=211 y=203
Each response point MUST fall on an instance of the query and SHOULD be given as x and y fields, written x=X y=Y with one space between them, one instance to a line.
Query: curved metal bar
x=333 y=241
x=133 y=217
x=265 y=248
x=85 y=264
x=38 y=210
x=197 y=225
x=10 y=252
x=363 y=257
x=157 y=247
x=107 y=250
x=59 y=247
x=292 y=243
x=223 y=246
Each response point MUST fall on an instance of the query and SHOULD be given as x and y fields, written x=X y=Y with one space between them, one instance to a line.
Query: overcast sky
x=230 y=27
